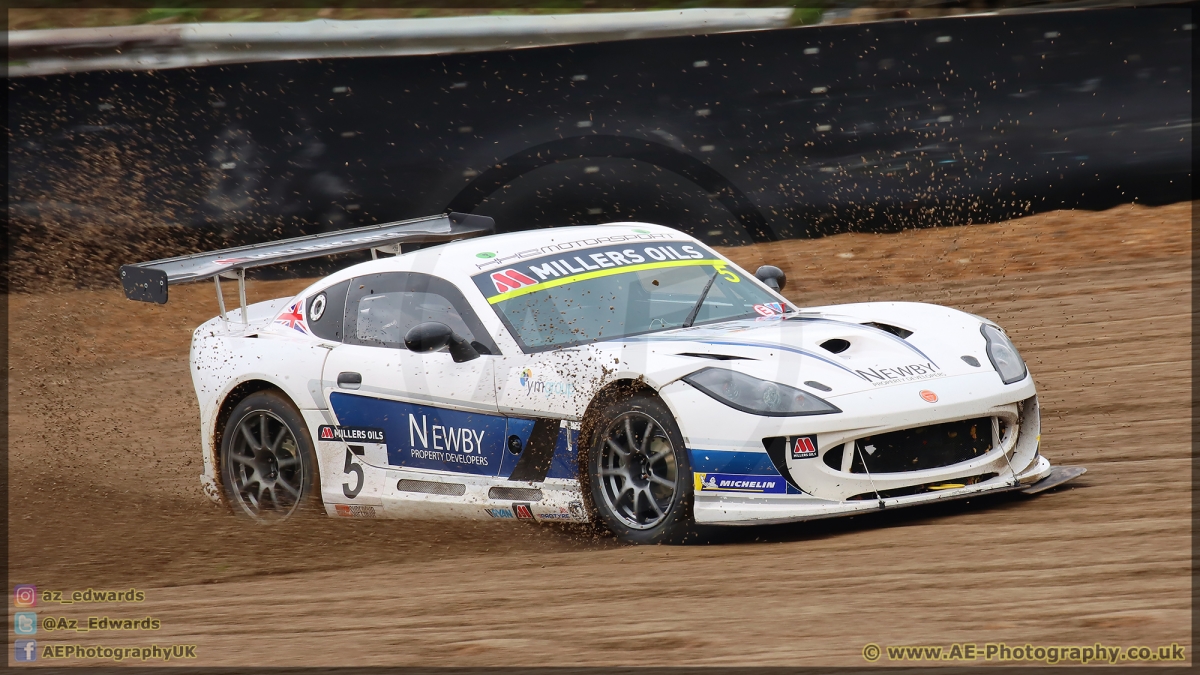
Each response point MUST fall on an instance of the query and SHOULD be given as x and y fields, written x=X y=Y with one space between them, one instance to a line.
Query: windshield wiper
x=691 y=317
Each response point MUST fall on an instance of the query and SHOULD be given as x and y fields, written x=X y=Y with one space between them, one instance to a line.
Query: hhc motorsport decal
x=574 y=246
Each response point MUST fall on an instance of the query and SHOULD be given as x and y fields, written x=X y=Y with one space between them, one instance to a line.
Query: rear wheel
x=268 y=465
x=639 y=478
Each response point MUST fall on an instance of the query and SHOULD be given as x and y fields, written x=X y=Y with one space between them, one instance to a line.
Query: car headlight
x=759 y=397
x=1003 y=355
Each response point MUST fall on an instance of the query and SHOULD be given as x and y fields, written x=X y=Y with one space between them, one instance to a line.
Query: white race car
x=622 y=374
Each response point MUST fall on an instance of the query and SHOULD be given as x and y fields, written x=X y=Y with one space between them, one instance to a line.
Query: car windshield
x=619 y=301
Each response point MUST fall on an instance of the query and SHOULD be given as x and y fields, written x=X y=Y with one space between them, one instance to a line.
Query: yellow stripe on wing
x=584 y=276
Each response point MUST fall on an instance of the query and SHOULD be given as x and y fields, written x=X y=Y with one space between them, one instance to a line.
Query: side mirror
x=772 y=276
x=432 y=336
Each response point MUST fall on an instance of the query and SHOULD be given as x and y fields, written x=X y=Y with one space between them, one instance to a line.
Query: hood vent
x=717 y=357
x=888 y=328
x=836 y=345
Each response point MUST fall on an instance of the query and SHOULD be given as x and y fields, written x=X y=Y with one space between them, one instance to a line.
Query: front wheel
x=268 y=466
x=639 y=477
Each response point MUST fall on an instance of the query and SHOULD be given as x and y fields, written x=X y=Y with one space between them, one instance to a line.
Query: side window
x=382 y=308
x=325 y=309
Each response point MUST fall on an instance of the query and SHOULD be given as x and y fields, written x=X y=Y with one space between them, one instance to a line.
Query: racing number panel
x=458 y=442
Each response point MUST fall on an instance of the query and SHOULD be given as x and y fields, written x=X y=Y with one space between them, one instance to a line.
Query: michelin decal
x=730 y=482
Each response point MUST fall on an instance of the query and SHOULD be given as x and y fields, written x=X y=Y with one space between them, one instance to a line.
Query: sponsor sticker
x=929 y=396
x=523 y=511
x=731 y=482
x=355 y=511
x=509 y=280
x=805 y=447
x=913 y=372
x=550 y=268
x=561 y=514
x=499 y=513
x=546 y=388
x=424 y=437
x=769 y=309
x=328 y=432
x=576 y=245
x=571 y=512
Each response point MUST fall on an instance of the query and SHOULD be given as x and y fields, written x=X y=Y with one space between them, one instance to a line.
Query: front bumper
x=727 y=442
x=739 y=509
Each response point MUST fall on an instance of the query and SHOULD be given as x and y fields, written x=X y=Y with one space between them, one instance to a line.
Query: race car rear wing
x=148 y=281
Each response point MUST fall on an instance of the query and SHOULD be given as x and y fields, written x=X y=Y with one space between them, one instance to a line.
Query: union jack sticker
x=293 y=317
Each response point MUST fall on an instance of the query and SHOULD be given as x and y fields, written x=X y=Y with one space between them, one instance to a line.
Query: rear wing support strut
x=149 y=281
x=240 y=276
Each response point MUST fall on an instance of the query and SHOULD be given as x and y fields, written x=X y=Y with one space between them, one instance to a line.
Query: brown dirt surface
x=104 y=461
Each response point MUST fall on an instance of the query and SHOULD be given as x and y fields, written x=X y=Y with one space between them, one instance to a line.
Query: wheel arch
x=234 y=396
x=613 y=391
x=214 y=433
x=616 y=390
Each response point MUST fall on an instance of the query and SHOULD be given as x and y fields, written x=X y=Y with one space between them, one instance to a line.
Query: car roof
x=459 y=260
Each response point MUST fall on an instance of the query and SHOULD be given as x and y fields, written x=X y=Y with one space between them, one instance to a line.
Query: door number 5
x=351 y=467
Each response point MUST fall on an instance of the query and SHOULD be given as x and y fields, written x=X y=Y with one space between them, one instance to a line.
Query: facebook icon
x=25 y=650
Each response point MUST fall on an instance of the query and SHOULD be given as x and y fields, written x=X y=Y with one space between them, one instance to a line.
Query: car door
x=418 y=411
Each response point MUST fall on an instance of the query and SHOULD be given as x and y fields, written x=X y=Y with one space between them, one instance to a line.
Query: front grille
x=928 y=447
x=431 y=487
x=515 y=494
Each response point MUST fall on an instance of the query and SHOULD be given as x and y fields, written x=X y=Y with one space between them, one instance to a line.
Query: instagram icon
x=25 y=595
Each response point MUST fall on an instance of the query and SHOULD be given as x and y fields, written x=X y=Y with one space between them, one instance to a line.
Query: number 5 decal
x=727 y=274
x=351 y=467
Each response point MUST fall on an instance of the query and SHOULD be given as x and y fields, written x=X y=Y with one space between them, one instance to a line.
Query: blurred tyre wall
x=735 y=137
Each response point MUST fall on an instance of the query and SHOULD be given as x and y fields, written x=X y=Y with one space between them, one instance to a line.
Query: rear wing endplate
x=148 y=281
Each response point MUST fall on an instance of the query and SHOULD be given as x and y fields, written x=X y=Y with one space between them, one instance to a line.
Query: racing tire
x=639 y=478
x=273 y=479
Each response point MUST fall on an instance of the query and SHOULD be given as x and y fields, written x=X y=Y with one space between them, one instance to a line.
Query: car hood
x=829 y=351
